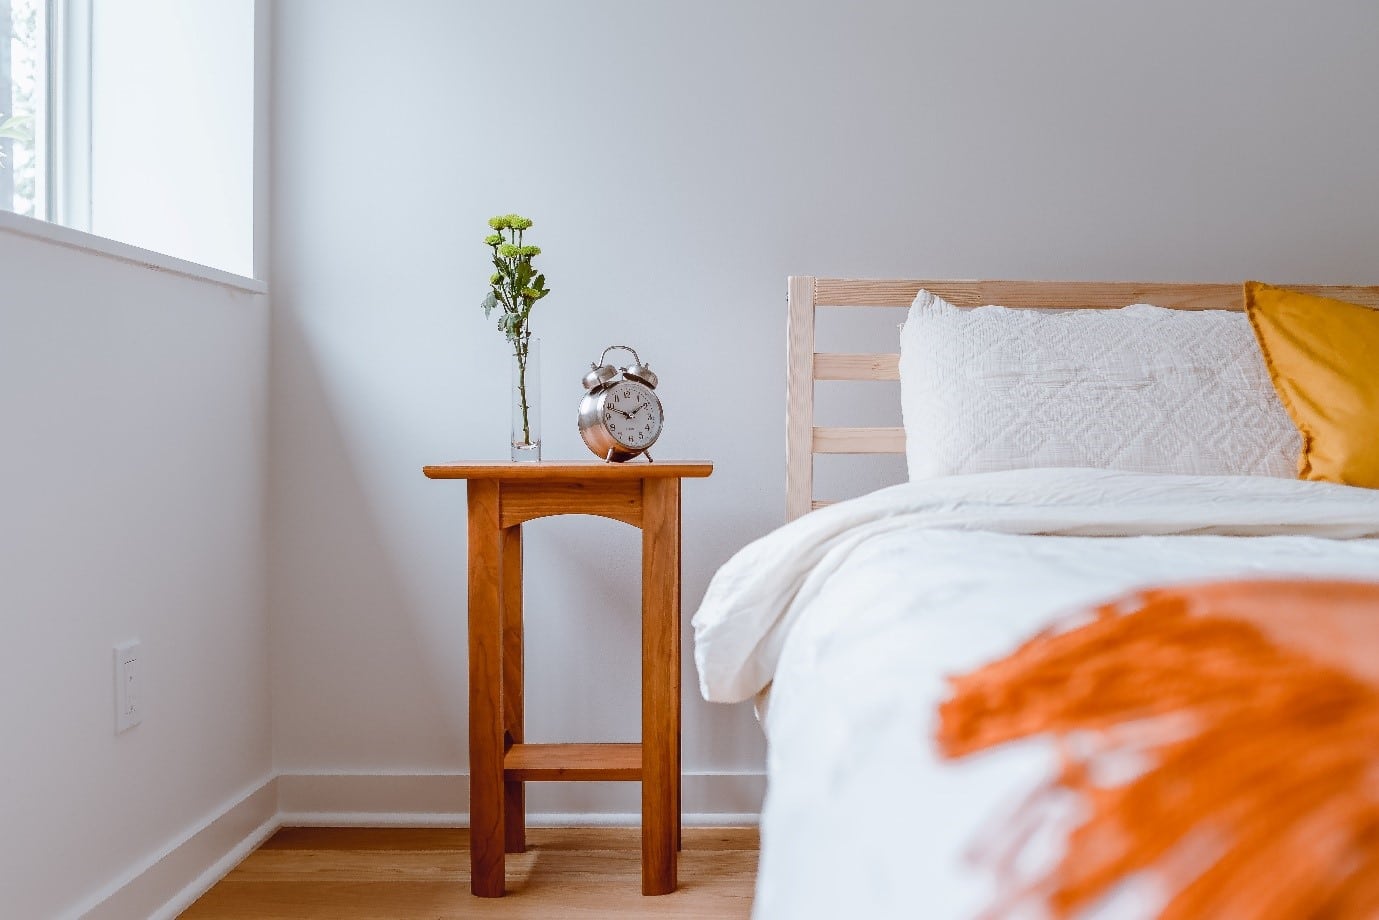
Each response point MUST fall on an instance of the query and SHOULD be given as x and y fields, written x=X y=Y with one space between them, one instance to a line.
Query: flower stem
x=521 y=353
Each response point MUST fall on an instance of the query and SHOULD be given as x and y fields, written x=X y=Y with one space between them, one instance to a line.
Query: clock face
x=632 y=414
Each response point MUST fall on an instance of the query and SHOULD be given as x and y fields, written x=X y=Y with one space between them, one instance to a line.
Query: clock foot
x=608 y=458
x=647 y=455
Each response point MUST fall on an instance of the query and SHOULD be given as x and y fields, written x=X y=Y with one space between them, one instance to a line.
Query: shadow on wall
x=347 y=641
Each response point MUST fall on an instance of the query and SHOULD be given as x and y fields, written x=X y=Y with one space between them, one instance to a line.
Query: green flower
x=517 y=222
x=529 y=250
x=494 y=278
x=509 y=251
x=531 y=293
x=499 y=223
x=493 y=239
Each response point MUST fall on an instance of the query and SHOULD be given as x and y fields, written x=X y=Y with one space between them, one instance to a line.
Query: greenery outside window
x=24 y=107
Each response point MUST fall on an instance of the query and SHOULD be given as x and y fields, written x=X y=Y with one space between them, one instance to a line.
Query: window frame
x=68 y=124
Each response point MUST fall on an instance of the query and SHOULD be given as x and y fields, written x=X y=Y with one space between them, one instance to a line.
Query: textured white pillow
x=1142 y=389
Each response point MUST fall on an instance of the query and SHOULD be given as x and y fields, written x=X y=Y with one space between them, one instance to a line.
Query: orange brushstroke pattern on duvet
x=1253 y=710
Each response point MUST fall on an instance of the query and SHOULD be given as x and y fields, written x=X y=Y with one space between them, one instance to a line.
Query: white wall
x=172 y=110
x=133 y=410
x=680 y=160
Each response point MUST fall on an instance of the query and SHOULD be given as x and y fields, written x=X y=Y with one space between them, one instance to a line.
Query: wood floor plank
x=423 y=874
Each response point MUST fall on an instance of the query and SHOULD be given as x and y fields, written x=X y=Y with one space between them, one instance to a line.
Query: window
x=23 y=106
x=133 y=120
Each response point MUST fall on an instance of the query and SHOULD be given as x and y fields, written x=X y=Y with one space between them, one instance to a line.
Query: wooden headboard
x=804 y=365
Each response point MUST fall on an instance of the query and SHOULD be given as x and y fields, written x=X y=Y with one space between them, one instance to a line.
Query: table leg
x=514 y=791
x=485 y=691
x=660 y=683
x=679 y=655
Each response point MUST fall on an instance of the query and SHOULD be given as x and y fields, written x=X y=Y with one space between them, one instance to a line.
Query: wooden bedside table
x=503 y=496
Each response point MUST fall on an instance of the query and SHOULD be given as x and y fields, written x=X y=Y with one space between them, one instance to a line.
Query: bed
x=845 y=624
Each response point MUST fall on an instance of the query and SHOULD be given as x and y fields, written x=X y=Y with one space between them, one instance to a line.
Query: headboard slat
x=1062 y=295
x=856 y=367
x=859 y=440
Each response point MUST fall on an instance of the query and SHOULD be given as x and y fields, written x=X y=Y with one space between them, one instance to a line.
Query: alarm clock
x=620 y=416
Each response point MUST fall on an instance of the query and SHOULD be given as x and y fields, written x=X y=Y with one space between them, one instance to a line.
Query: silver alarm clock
x=620 y=416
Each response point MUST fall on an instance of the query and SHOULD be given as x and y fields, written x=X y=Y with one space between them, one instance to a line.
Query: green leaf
x=490 y=301
x=18 y=127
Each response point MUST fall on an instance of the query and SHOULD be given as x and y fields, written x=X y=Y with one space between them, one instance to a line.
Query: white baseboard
x=163 y=886
x=217 y=871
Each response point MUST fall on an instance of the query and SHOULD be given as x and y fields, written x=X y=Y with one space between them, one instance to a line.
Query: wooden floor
x=406 y=873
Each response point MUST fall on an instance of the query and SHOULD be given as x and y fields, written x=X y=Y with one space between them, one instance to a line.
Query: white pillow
x=1141 y=388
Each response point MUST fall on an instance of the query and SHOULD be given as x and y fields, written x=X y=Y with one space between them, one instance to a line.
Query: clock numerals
x=632 y=415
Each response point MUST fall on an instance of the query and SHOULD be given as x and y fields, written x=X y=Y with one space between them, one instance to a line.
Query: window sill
x=89 y=242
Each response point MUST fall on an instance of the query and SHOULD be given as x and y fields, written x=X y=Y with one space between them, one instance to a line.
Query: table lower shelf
x=573 y=763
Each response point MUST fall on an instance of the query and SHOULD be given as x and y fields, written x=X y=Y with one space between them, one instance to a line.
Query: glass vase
x=526 y=399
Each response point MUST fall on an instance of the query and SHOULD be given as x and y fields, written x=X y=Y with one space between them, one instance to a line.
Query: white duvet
x=854 y=614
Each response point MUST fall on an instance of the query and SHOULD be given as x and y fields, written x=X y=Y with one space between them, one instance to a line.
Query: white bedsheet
x=857 y=612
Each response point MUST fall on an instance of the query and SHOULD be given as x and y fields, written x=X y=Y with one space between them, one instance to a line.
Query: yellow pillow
x=1323 y=356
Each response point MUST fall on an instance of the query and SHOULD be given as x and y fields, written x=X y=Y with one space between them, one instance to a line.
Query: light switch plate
x=128 y=686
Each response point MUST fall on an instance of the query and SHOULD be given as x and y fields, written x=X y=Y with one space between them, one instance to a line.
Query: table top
x=567 y=470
